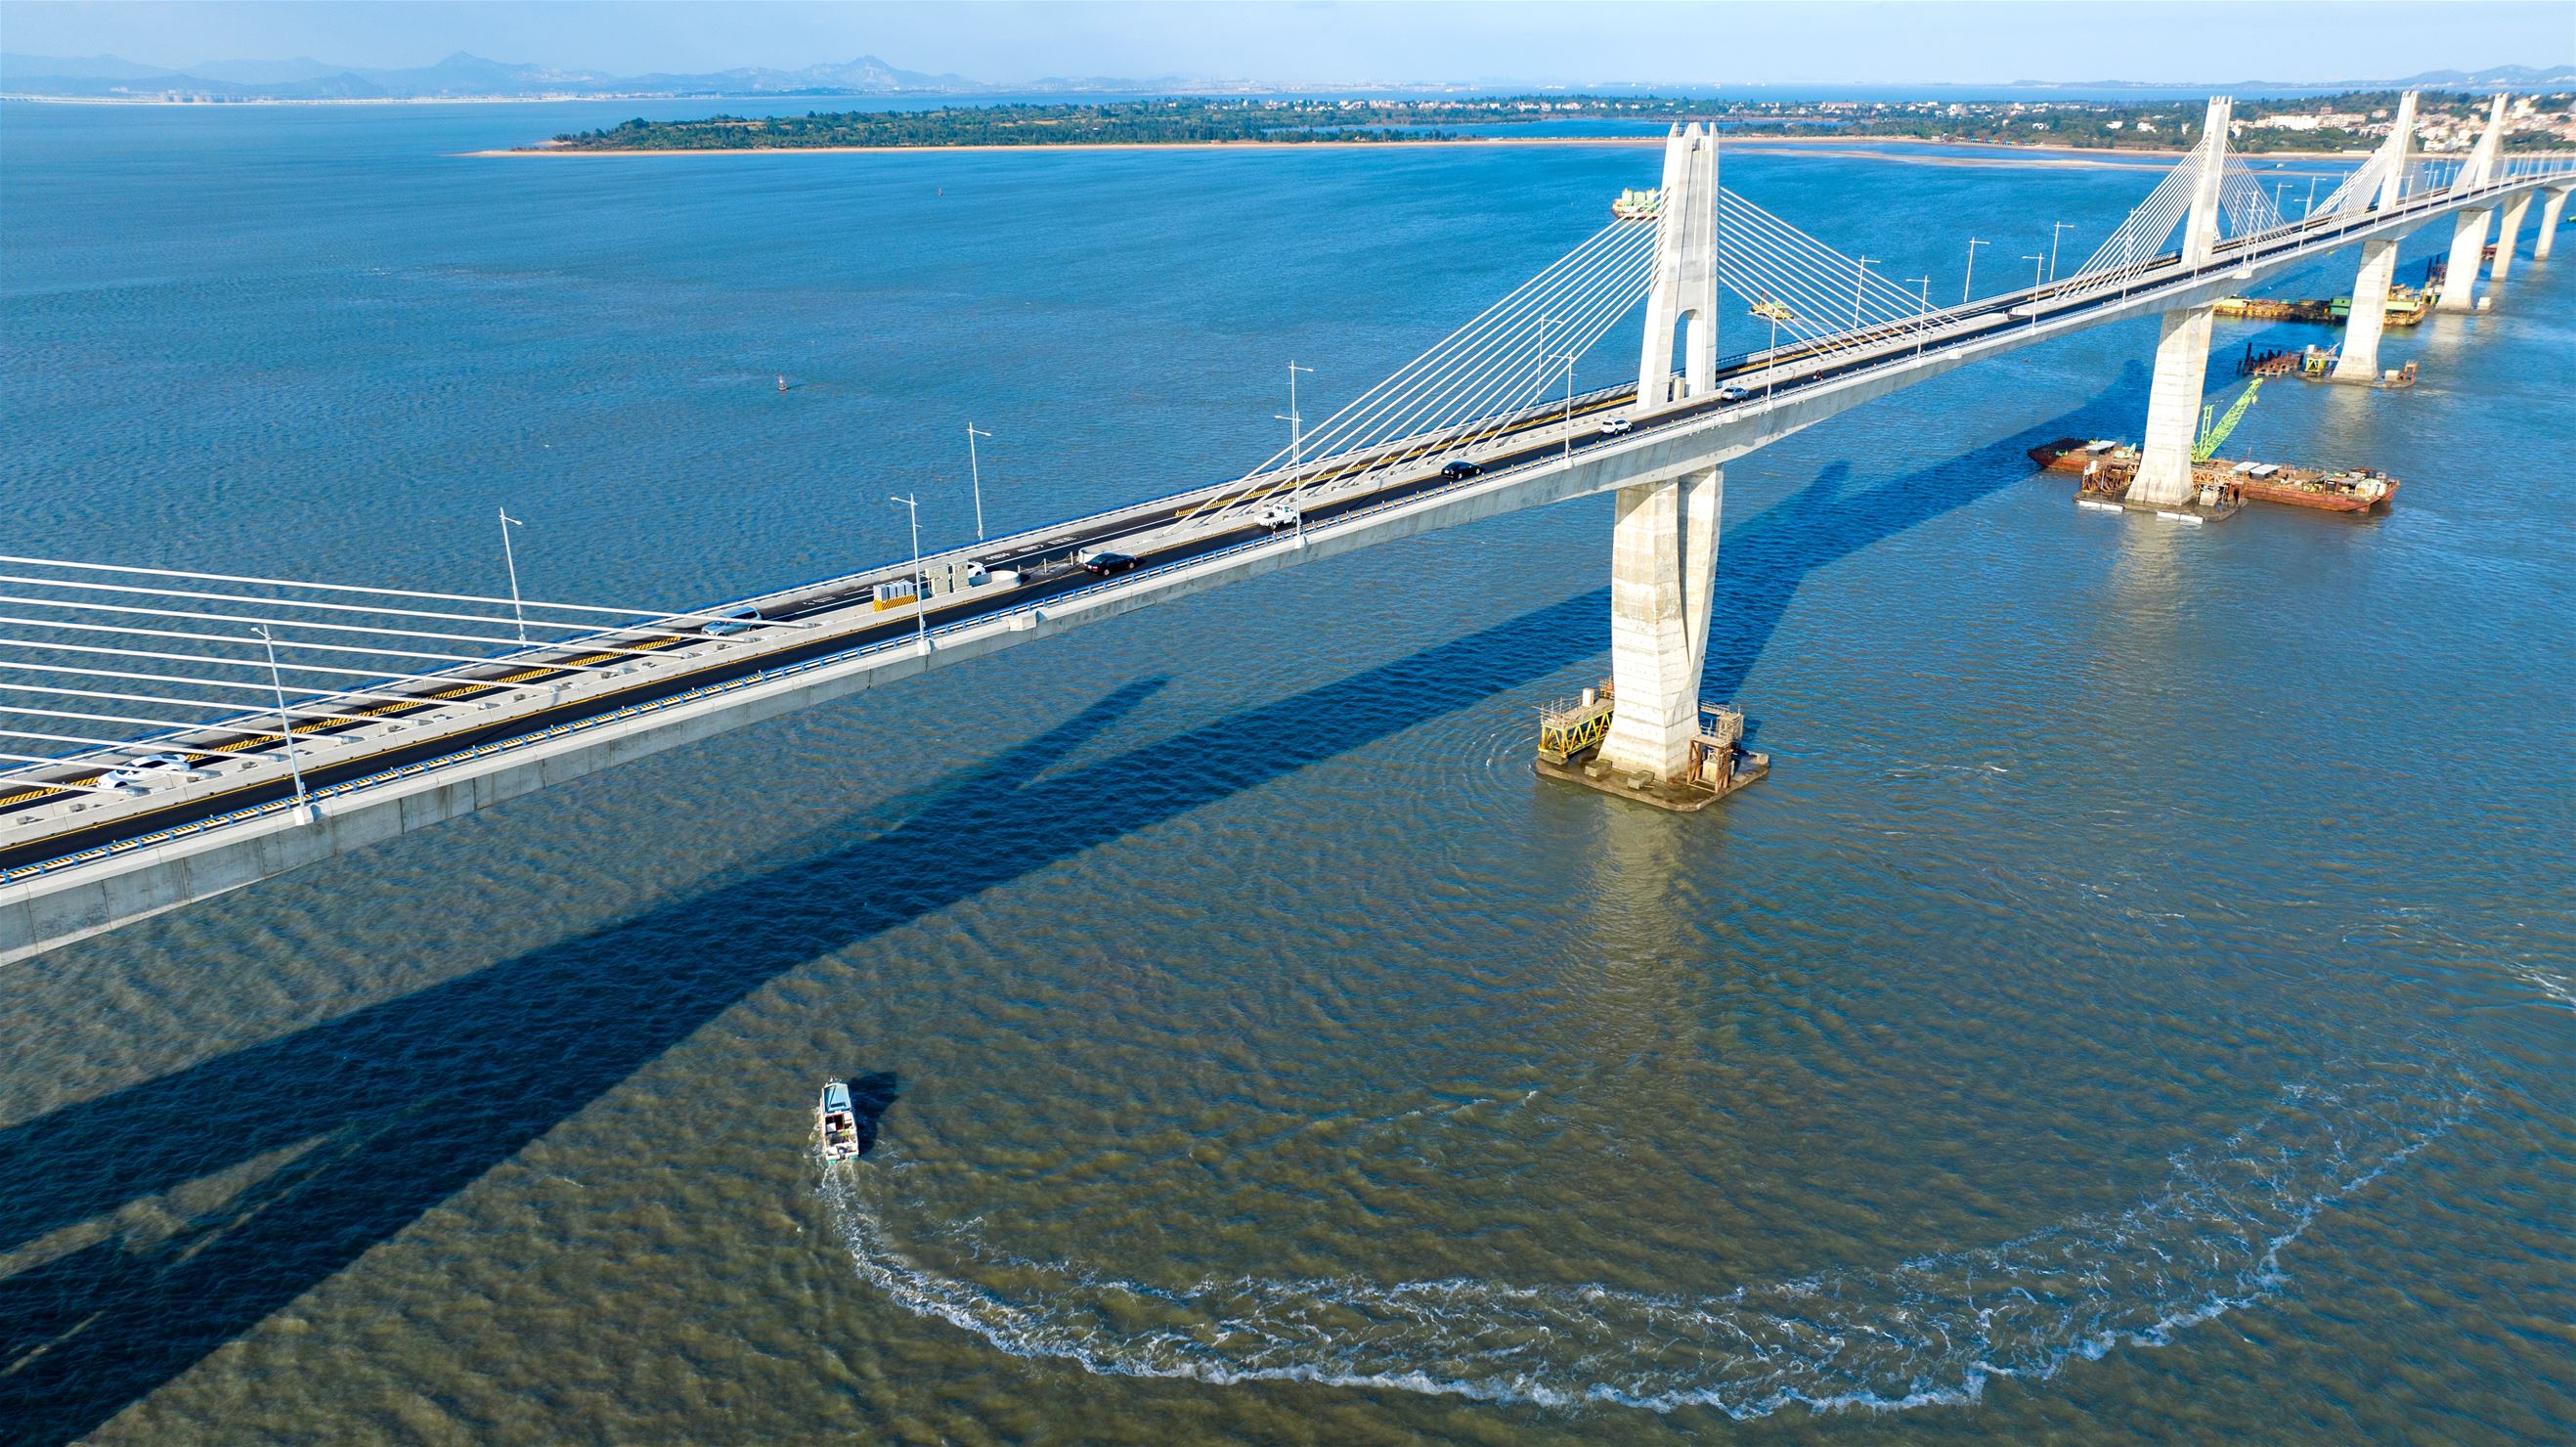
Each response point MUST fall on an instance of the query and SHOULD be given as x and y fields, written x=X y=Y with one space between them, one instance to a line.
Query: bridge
x=313 y=719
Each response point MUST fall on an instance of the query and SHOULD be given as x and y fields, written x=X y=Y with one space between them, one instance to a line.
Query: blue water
x=2135 y=1010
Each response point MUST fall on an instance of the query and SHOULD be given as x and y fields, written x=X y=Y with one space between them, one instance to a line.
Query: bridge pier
x=2469 y=232
x=2551 y=211
x=2460 y=272
x=2358 y=359
x=1663 y=573
x=2509 y=235
x=2173 y=407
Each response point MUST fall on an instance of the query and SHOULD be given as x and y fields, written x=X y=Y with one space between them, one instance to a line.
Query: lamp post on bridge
x=1771 y=362
x=1861 y=285
x=2310 y=209
x=510 y=561
x=1568 y=359
x=2036 y=262
x=1968 y=287
x=2056 y=234
x=286 y=726
x=975 y=469
x=1296 y=436
x=920 y=589
x=1922 y=310
x=1296 y=444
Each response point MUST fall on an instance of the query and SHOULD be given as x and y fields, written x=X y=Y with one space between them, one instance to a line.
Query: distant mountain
x=91 y=67
x=259 y=72
x=2502 y=77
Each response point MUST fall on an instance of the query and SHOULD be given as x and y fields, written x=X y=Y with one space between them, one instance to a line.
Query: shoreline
x=2018 y=155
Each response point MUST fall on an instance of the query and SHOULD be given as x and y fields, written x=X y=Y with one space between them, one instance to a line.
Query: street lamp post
x=1296 y=445
x=1923 y=309
x=286 y=726
x=975 y=469
x=1568 y=359
x=2056 y=234
x=1967 y=288
x=2036 y=262
x=1859 y=286
x=1771 y=362
x=920 y=585
x=510 y=561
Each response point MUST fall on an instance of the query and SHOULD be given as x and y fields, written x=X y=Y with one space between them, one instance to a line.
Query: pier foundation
x=2173 y=408
x=2358 y=361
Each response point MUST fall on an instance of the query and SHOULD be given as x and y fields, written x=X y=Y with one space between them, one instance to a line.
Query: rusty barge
x=2106 y=468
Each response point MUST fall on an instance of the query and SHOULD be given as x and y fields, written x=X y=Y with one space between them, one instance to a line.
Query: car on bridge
x=1616 y=426
x=1107 y=564
x=1276 y=516
x=1458 y=467
x=736 y=620
x=1733 y=393
x=148 y=770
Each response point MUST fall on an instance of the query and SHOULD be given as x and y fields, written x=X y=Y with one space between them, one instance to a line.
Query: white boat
x=836 y=1124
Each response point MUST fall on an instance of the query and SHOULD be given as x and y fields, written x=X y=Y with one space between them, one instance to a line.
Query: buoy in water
x=782 y=384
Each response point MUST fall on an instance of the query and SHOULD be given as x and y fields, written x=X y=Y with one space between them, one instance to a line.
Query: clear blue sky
x=1465 y=41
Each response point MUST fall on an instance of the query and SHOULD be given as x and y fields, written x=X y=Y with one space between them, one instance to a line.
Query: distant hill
x=108 y=77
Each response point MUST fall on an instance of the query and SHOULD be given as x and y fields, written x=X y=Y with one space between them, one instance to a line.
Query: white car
x=1733 y=393
x=1276 y=516
x=145 y=771
x=1615 y=426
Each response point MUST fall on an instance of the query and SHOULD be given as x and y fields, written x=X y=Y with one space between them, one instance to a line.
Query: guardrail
x=2292 y=239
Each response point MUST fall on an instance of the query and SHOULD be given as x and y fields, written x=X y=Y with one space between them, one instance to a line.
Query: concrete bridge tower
x=2469 y=232
x=2358 y=359
x=2182 y=349
x=1663 y=558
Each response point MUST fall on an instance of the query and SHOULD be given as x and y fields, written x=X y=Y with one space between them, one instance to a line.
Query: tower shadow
x=393 y=1108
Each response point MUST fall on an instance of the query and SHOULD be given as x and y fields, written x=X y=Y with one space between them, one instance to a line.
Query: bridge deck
x=466 y=718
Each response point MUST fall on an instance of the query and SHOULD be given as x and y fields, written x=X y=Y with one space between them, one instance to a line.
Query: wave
x=1928 y=1331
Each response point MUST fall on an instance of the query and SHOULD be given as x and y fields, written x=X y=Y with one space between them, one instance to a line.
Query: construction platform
x=1570 y=734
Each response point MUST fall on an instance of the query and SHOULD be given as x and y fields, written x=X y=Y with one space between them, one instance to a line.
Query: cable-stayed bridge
x=167 y=734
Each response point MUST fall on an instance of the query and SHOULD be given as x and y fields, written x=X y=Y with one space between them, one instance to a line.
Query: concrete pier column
x=1663 y=569
x=2509 y=235
x=2460 y=273
x=2551 y=212
x=2173 y=407
x=2358 y=361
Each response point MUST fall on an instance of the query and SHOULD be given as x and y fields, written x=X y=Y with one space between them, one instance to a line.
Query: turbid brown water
x=2135 y=1009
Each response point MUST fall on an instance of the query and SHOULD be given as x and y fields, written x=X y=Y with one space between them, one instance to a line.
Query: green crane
x=2212 y=435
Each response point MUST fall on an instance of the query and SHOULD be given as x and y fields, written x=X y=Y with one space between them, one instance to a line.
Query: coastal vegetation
x=2329 y=123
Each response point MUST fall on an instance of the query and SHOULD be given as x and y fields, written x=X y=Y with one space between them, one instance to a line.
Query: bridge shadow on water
x=385 y=1112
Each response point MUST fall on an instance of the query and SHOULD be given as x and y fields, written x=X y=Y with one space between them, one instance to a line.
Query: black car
x=1460 y=468
x=1104 y=565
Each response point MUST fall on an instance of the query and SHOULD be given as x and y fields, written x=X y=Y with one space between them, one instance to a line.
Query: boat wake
x=1928 y=1331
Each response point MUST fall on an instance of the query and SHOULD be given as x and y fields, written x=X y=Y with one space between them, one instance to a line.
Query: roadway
x=839 y=615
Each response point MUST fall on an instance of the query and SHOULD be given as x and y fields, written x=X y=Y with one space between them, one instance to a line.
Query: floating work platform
x=2406 y=306
x=1569 y=746
x=2219 y=485
x=2313 y=364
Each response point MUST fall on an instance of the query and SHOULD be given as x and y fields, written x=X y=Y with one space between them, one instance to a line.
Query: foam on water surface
x=1926 y=1331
